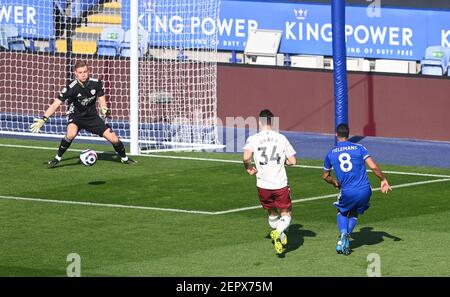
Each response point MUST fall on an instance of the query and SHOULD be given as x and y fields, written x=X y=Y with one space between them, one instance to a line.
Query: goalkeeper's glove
x=37 y=125
x=106 y=112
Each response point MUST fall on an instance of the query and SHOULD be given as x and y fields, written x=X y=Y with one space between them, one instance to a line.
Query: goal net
x=176 y=52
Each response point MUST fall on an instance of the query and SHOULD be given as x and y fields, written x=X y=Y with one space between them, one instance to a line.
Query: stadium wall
x=413 y=106
x=379 y=105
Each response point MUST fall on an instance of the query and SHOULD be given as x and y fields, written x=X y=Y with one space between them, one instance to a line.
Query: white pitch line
x=414 y=174
x=104 y=205
x=335 y=195
x=222 y=160
x=197 y=211
x=39 y=147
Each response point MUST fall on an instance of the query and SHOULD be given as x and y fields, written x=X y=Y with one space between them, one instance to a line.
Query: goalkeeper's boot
x=128 y=161
x=345 y=244
x=53 y=163
x=276 y=241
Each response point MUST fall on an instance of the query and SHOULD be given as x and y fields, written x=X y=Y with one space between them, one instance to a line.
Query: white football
x=88 y=157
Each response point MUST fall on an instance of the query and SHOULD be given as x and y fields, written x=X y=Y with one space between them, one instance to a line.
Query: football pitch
x=197 y=214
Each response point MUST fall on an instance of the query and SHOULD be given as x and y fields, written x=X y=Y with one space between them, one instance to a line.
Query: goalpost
x=156 y=58
x=340 y=64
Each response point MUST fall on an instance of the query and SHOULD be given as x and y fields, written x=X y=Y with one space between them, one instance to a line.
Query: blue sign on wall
x=392 y=33
x=33 y=18
x=182 y=25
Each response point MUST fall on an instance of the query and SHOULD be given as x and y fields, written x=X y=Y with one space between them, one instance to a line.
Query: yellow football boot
x=276 y=241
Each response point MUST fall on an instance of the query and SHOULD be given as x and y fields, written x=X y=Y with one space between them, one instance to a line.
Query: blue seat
x=3 y=40
x=81 y=7
x=11 y=39
x=61 y=5
x=110 y=41
x=436 y=60
x=125 y=47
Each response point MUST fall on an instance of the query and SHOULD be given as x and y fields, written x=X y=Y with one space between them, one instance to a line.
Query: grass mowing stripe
x=221 y=160
x=199 y=211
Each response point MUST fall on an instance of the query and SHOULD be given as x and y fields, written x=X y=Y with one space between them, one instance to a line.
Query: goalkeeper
x=81 y=96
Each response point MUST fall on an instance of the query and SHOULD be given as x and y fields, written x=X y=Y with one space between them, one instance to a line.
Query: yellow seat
x=78 y=46
x=84 y=46
x=61 y=46
x=105 y=19
x=89 y=30
x=113 y=5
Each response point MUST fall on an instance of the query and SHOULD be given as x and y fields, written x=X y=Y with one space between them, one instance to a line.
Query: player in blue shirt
x=348 y=160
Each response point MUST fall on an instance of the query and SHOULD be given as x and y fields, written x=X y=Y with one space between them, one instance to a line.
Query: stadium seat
x=80 y=7
x=61 y=6
x=436 y=60
x=142 y=47
x=3 y=41
x=110 y=41
x=11 y=38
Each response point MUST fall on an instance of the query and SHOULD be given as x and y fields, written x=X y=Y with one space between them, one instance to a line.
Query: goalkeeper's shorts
x=93 y=124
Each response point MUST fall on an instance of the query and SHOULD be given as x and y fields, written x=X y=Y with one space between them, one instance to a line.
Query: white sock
x=58 y=158
x=273 y=221
x=283 y=223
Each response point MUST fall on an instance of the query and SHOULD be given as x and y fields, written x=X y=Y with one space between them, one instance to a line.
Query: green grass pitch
x=135 y=226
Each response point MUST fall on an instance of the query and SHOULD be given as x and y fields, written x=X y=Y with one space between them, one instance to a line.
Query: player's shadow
x=296 y=237
x=108 y=156
x=97 y=183
x=366 y=236
x=65 y=162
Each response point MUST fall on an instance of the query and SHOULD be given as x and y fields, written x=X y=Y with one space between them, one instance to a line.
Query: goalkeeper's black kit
x=81 y=105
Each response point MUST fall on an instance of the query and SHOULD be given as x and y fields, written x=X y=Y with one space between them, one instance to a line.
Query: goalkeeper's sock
x=120 y=150
x=352 y=221
x=64 y=145
x=342 y=222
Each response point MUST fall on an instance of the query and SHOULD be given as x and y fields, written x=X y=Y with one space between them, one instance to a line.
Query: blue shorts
x=354 y=200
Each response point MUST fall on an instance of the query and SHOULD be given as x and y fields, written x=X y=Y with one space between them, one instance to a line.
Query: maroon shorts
x=271 y=199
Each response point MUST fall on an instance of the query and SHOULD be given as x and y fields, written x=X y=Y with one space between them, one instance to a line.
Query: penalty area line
x=104 y=205
x=198 y=211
